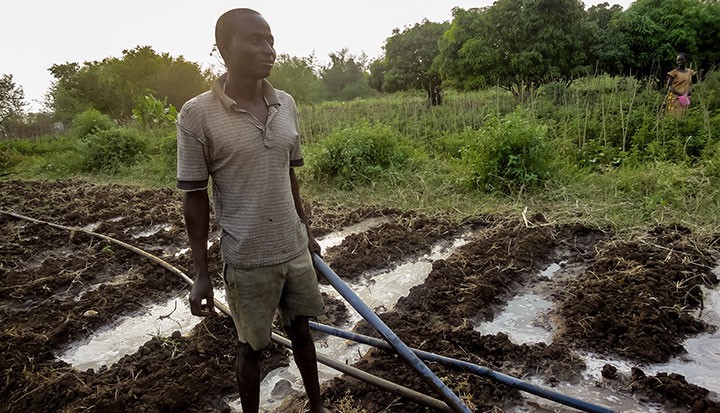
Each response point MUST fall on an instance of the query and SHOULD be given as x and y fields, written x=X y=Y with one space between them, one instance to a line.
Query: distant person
x=244 y=135
x=679 y=84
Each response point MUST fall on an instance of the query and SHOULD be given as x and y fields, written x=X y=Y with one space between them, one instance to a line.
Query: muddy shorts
x=254 y=294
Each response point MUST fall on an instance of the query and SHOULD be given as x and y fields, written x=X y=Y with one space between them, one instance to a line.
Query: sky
x=34 y=35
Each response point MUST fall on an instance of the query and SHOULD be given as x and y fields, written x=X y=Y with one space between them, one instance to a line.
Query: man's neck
x=243 y=89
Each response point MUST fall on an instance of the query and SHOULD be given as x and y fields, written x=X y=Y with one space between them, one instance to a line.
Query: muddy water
x=699 y=365
x=524 y=319
x=110 y=345
x=125 y=336
x=380 y=291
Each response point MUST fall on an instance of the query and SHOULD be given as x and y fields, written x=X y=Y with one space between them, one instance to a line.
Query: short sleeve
x=296 y=156
x=192 y=151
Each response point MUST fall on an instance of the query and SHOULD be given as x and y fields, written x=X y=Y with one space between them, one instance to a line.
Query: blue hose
x=470 y=367
x=452 y=400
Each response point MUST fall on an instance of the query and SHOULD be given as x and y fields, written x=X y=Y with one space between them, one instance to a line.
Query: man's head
x=245 y=42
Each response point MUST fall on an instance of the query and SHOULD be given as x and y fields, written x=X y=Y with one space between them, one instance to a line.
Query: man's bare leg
x=306 y=360
x=247 y=371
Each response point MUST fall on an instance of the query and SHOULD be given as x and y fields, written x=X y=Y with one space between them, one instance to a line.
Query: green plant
x=112 y=150
x=90 y=122
x=357 y=155
x=158 y=167
x=507 y=154
x=153 y=113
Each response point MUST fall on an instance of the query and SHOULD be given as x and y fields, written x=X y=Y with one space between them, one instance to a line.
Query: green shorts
x=254 y=294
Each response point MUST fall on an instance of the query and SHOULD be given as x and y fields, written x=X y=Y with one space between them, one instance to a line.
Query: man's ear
x=222 y=47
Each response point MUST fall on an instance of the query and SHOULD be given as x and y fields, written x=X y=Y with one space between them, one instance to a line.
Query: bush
x=357 y=155
x=153 y=113
x=507 y=154
x=112 y=150
x=159 y=166
x=90 y=122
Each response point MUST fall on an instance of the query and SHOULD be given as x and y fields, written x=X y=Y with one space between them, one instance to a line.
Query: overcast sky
x=34 y=35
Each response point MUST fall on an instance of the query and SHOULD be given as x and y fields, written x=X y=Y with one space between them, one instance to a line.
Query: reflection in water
x=108 y=346
x=520 y=320
x=378 y=291
x=701 y=363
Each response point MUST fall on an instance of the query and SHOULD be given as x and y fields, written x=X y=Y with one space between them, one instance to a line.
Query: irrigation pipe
x=470 y=367
x=342 y=367
x=403 y=350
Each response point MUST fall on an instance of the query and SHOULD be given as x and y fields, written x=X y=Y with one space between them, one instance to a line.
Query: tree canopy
x=298 y=77
x=12 y=100
x=657 y=30
x=345 y=77
x=515 y=43
x=114 y=86
x=408 y=63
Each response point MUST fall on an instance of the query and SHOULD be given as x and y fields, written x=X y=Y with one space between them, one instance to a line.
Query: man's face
x=250 y=52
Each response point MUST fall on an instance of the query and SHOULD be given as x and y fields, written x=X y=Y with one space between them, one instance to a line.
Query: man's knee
x=299 y=329
x=246 y=354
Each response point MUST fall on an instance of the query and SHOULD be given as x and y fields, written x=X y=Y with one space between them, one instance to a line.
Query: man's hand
x=202 y=290
x=313 y=246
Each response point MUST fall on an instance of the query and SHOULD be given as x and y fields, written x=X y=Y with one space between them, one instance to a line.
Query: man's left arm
x=313 y=246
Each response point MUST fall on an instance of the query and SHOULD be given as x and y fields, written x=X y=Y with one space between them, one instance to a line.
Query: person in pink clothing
x=679 y=84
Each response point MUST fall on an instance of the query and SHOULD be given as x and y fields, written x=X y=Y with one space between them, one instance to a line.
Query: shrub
x=90 y=122
x=112 y=150
x=357 y=155
x=508 y=153
x=153 y=113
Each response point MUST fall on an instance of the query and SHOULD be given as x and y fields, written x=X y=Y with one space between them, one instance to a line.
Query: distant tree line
x=514 y=44
x=518 y=44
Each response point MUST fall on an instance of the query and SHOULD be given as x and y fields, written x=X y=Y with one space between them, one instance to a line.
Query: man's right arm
x=196 y=208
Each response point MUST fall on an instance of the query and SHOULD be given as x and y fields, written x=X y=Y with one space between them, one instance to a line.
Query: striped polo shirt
x=249 y=165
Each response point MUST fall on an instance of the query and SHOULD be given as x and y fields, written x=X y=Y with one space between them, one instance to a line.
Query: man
x=243 y=133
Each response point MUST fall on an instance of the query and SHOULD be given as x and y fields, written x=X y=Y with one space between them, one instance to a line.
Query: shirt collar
x=218 y=88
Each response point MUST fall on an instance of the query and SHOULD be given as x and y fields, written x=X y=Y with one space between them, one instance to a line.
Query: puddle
x=336 y=238
x=525 y=318
x=521 y=321
x=124 y=337
x=152 y=230
x=701 y=363
x=380 y=291
x=550 y=271
x=588 y=393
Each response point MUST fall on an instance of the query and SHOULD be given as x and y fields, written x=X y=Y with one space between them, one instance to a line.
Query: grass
x=615 y=160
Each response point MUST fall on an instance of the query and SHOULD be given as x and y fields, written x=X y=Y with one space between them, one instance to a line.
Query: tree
x=377 y=69
x=12 y=100
x=516 y=44
x=608 y=51
x=345 y=77
x=297 y=76
x=657 y=30
x=114 y=86
x=409 y=59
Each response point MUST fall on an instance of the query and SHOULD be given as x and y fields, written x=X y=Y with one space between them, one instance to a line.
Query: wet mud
x=635 y=297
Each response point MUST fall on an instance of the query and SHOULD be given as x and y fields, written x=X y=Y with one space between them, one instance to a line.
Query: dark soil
x=633 y=299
